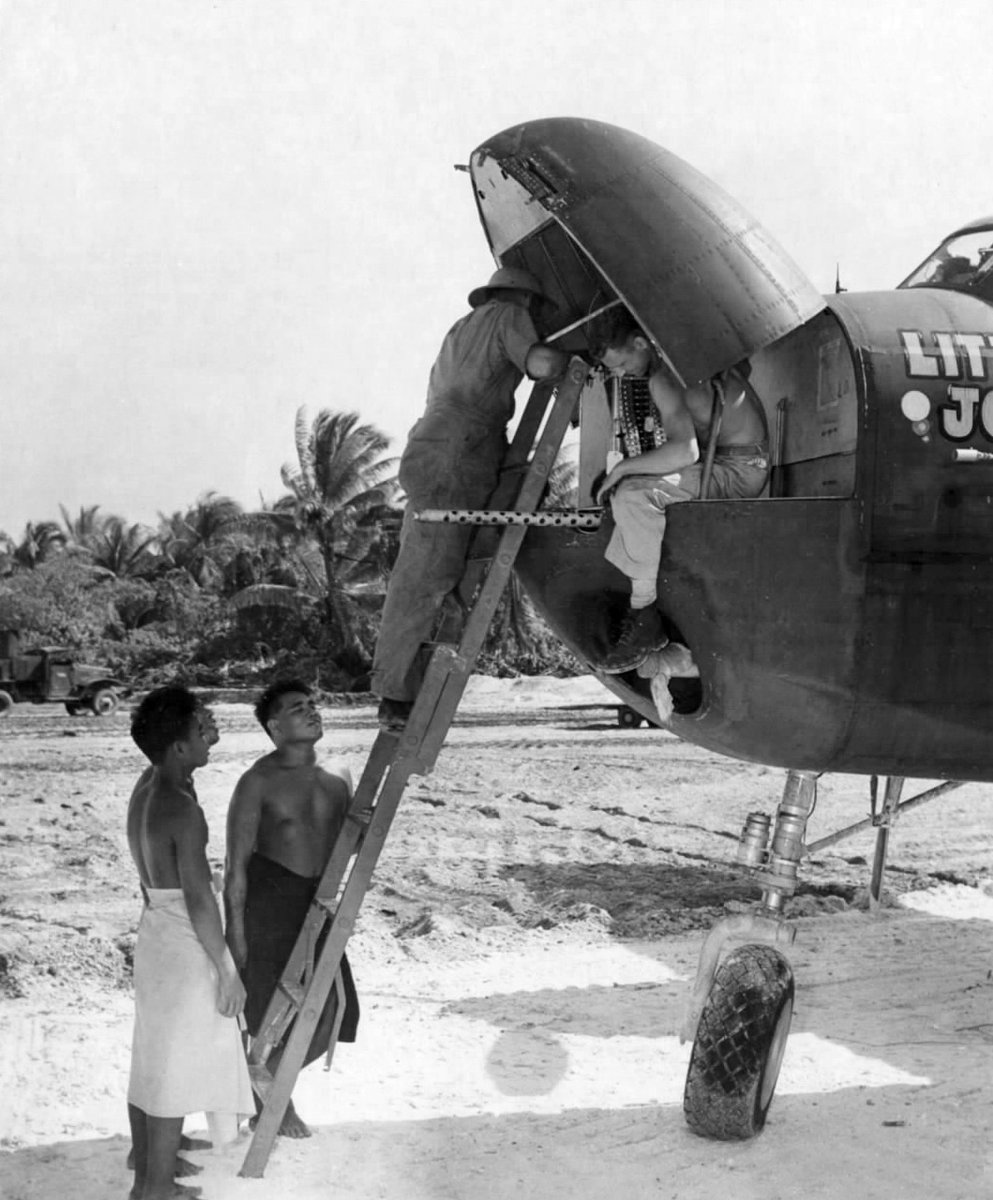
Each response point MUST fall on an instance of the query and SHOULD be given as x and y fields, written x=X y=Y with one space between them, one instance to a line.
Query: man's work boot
x=673 y=661
x=393 y=714
x=641 y=632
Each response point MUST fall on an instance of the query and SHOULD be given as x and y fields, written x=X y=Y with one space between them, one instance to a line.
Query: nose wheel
x=739 y=1044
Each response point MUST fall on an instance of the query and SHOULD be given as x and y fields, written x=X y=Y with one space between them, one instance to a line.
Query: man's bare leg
x=163 y=1134
x=184 y=1168
x=138 y=1158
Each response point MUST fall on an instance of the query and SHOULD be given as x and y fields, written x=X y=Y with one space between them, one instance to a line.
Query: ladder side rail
x=550 y=442
x=504 y=494
x=429 y=721
x=342 y=924
x=526 y=433
x=433 y=737
x=403 y=760
x=526 y=436
x=430 y=718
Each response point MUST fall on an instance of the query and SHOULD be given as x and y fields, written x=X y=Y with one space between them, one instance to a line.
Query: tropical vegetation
x=217 y=595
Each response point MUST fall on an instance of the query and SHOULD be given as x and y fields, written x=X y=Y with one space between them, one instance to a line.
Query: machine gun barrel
x=573 y=519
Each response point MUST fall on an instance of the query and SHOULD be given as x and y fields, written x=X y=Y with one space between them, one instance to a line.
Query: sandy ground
x=523 y=960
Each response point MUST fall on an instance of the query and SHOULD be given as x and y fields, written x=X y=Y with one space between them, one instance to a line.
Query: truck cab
x=52 y=675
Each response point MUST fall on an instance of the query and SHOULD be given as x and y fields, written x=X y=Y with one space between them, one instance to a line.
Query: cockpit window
x=963 y=263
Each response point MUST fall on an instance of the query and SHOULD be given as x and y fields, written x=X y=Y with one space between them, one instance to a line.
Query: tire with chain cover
x=739 y=1045
x=6 y=702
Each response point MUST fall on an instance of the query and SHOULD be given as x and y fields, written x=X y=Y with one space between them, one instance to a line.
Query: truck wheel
x=628 y=718
x=6 y=703
x=739 y=1045
x=104 y=702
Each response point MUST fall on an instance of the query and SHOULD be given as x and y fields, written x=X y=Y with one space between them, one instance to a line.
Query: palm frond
x=272 y=595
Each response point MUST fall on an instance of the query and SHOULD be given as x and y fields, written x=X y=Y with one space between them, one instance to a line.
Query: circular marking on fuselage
x=915 y=406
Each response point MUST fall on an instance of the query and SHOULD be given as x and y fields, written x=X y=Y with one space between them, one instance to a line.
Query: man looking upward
x=284 y=818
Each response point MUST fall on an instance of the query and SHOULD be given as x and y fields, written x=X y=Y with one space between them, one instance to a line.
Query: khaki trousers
x=448 y=463
x=639 y=504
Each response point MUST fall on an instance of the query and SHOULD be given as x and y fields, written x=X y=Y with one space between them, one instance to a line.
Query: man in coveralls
x=452 y=460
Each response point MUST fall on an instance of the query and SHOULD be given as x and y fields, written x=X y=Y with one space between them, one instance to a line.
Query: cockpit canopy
x=963 y=263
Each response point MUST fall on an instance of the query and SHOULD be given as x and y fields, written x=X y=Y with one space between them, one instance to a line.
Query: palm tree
x=82 y=530
x=7 y=549
x=200 y=540
x=122 y=550
x=339 y=486
x=38 y=543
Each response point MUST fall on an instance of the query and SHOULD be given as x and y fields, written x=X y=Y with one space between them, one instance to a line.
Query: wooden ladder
x=306 y=982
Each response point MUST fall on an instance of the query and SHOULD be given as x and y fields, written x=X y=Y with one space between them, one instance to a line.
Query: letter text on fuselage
x=947 y=354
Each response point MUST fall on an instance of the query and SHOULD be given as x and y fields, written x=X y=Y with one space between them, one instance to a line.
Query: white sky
x=212 y=213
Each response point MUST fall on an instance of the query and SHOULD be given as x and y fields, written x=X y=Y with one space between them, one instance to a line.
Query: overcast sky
x=213 y=213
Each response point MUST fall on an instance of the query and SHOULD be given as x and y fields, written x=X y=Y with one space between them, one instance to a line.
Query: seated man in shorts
x=642 y=487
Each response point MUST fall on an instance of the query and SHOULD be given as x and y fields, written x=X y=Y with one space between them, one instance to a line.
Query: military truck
x=51 y=675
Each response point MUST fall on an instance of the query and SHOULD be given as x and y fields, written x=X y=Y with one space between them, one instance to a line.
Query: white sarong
x=185 y=1057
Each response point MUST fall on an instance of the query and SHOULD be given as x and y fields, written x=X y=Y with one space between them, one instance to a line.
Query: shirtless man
x=208 y=727
x=186 y=1054
x=285 y=817
x=643 y=486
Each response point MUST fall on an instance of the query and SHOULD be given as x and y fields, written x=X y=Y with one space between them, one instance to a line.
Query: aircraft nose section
x=699 y=272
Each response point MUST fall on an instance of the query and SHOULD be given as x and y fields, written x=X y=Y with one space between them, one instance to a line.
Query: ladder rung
x=359 y=816
x=293 y=992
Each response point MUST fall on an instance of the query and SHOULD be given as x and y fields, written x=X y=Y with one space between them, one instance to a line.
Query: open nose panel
x=599 y=214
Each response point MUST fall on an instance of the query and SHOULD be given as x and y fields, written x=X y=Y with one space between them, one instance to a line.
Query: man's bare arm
x=190 y=840
x=244 y=815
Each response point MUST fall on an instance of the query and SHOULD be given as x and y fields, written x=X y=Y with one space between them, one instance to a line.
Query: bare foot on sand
x=191 y=1143
x=183 y=1165
x=292 y=1125
x=184 y=1168
x=179 y=1192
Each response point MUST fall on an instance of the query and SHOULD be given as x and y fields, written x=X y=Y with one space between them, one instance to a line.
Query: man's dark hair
x=268 y=702
x=166 y=715
x=611 y=329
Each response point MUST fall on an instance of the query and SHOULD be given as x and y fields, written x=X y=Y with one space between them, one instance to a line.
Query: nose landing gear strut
x=740 y=1012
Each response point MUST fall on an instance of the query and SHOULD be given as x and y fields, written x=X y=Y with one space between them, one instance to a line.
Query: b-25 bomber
x=842 y=620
